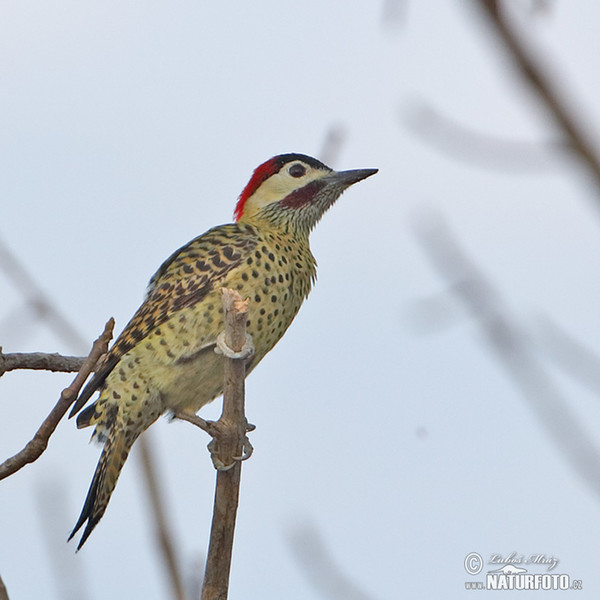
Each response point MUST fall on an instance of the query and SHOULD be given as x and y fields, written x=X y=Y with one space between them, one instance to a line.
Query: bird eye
x=297 y=170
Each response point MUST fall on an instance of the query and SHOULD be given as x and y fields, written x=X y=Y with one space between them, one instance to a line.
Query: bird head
x=294 y=189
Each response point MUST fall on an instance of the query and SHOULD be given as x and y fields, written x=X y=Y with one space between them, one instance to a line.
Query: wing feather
x=184 y=279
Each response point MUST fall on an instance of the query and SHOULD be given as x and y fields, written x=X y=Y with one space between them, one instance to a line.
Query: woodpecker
x=165 y=359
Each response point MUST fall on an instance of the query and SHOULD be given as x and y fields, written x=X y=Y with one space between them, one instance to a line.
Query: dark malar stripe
x=304 y=195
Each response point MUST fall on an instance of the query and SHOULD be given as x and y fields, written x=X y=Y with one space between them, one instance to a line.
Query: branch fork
x=34 y=448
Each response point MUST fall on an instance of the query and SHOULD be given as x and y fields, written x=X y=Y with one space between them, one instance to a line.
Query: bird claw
x=220 y=466
x=222 y=348
x=213 y=447
x=214 y=429
x=247 y=450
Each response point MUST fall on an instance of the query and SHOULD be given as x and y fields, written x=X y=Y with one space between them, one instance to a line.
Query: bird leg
x=219 y=432
x=211 y=427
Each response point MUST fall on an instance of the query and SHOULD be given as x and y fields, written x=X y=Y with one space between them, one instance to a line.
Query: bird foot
x=222 y=348
x=213 y=447
x=218 y=433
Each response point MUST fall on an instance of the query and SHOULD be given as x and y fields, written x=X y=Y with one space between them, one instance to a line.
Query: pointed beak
x=345 y=179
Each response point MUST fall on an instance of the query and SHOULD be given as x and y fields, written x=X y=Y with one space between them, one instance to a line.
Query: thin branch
x=230 y=446
x=163 y=535
x=3 y=591
x=579 y=137
x=34 y=449
x=511 y=346
x=41 y=361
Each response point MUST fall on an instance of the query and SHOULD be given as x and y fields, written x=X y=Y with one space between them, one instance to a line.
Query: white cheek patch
x=276 y=188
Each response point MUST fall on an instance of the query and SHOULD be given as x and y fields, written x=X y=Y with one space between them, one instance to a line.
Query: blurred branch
x=17 y=323
x=394 y=13
x=457 y=141
x=194 y=576
x=579 y=361
x=333 y=144
x=51 y=499
x=3 y=592
x=230 y=446
x=578 y=137
x=34 y=449
x=37 y=299
x=39 y=361
x=512 y=348
x=325 y=575
x=163 y=535
x=540 y=7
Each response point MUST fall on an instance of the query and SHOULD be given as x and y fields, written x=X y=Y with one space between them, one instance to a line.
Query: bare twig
x=38 y=444
x=39 y=361
x=3 y=592
x=512 y=347
x=230 y=445
x=579 y=138
x=163 y=535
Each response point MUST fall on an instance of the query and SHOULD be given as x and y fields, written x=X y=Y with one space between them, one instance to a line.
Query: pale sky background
x=128 y=128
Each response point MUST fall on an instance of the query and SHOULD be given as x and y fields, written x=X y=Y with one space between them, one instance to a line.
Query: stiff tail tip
x=109 y=467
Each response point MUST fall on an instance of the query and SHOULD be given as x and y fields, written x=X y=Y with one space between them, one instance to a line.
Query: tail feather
x=114 y=455
x=88 y=416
